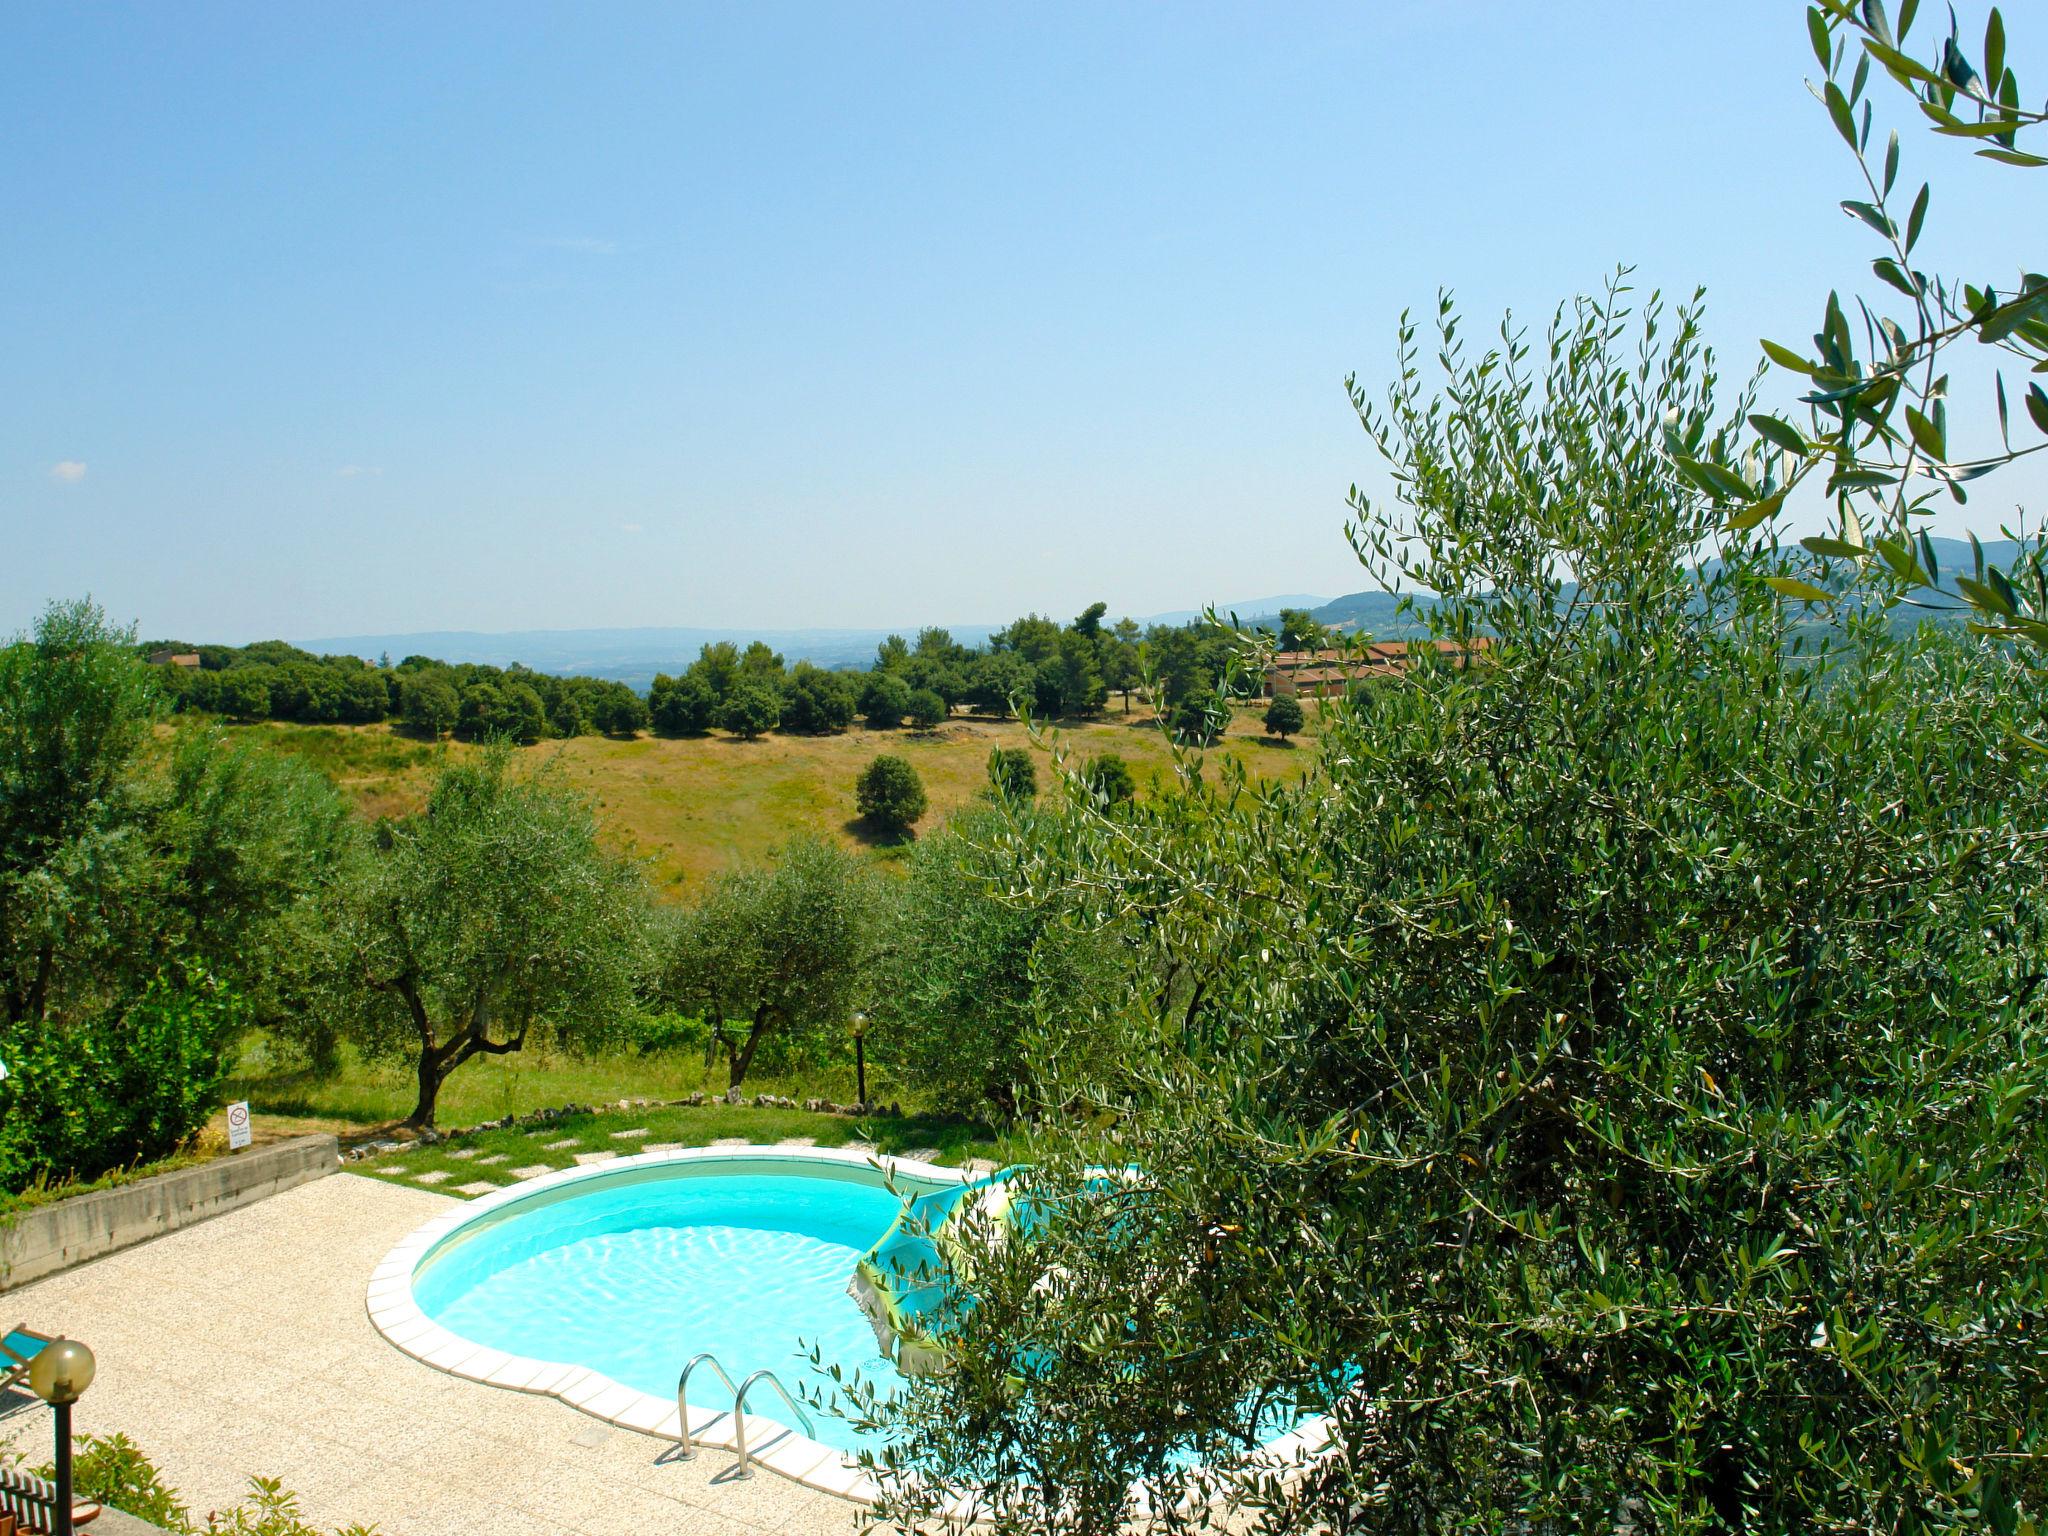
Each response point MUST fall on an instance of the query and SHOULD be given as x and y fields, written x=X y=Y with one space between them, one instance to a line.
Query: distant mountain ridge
x=1377 y=613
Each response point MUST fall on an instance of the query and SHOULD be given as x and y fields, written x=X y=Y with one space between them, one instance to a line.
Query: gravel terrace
x=241 y=1346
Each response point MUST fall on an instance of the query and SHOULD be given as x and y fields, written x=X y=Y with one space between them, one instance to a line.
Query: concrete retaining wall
x=49 y=1238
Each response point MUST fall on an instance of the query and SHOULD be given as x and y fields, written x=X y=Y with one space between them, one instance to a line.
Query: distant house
x=1333 y=673
x=171 y=658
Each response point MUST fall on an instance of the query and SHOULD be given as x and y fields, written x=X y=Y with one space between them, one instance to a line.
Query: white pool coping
x=777 y=1446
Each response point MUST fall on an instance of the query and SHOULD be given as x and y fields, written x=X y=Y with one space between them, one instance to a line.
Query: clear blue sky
x=338 y=319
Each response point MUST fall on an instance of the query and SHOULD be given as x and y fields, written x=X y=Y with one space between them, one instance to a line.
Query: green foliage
x=927 y=709
x=884 y=700
x=774 y=958
x=269 y=1509
x=618 y=711
x=889 y=794
x=510 y=712
x=999 y=680
x=1069 y=682
x=112 y=1470
x=244 y=695
x=653 y=1034
x=494 y=910
x=967 y=973
x=1283 y=716
x=1300 y=632
x=751 y=709
x=1012 y=772
x=681 y=706
x=1610 y=1083
x=1122 y=668
x=149 y=900
x=1198 y=719
x=815 y=701
x=1107 y=777
x=115 y=1090
x=429 y=705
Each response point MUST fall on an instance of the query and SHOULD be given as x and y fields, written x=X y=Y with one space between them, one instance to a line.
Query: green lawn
x=490 y=1156
x=362 y=1096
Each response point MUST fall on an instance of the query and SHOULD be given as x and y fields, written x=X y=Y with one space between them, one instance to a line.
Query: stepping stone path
x=978 y=1167
x=585 y=1159
x=921 y=1154
x=631 y=1135
x=798 y=1141
x=464 y=1152
x=563 y=1146
x=663 y=1146
x=495 y=1157
x=533 y=1172
x=857 y=1146
x=480 y=1187
x=732 y=1141
x=434 y=1176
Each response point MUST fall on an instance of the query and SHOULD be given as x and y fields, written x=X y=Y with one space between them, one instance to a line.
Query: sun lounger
x=28 y=1505
x=17 y=1349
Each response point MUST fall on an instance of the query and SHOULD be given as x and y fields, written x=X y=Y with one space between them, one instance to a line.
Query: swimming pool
x=596 y=1285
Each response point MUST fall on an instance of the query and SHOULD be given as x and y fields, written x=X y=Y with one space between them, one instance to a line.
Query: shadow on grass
x=298 y=1094
x=868 y=835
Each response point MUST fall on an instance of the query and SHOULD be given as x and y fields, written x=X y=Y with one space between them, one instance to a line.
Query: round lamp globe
x=61 y=1371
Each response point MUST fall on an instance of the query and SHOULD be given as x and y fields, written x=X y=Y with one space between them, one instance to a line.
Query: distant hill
x=1375 y=613
x=1249 y=612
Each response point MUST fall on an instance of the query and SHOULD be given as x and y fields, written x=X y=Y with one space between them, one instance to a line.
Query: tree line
x=1053 y=670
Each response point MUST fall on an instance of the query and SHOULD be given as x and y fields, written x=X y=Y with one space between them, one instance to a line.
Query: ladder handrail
x=739 y=1408
x=739 y=1411
x=683 y=1398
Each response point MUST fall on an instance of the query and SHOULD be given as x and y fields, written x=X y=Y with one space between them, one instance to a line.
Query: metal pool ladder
x=739 y=1408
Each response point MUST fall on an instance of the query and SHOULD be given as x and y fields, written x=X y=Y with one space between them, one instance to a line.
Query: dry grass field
x=695 y=806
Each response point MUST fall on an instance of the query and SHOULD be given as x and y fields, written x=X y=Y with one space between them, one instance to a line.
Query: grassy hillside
x=701 y=804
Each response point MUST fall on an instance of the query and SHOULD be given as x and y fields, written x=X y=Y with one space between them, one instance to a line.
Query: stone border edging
x=49 y=1239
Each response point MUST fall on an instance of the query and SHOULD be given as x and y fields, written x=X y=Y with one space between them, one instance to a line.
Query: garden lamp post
x=860 y=1059
x=59 y=1375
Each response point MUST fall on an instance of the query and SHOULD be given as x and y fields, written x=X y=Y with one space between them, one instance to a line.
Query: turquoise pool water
x=632 y=1279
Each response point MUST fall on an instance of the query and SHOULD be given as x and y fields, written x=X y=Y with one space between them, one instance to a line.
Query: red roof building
x=1333 y=673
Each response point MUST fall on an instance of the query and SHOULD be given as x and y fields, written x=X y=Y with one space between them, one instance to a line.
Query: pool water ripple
x=633 y=1281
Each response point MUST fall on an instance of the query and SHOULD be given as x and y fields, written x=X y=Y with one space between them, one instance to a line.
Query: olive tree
x=968 y=976
x=495 y=910
x=773 y=955
x=1607 y=1087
